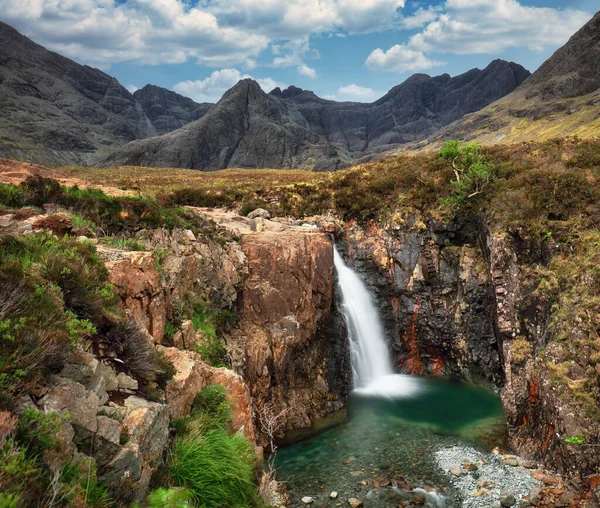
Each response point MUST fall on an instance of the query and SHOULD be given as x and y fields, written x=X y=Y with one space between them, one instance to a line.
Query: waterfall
x=372 y=369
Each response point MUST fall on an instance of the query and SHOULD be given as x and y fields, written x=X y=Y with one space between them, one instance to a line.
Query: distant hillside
x=294 y=128
x=55 y=111
x=561 y=98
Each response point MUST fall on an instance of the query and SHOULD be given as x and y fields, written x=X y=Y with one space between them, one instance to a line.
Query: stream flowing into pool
x=384 y=455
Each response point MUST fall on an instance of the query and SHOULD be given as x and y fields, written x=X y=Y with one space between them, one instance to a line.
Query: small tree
x=472 y=173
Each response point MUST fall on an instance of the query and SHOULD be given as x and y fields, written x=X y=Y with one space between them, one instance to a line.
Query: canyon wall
x=457 y=299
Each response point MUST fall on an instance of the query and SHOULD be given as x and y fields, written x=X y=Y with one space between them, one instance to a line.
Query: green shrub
x=12 y=196
x=472 y=172
x=216 y=468
x=169 y=498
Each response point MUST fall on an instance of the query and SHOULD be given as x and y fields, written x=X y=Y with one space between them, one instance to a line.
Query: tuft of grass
x=216 y=468
x=123 y=243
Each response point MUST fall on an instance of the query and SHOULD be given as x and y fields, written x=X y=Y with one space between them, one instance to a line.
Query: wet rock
x=355 y=502
x=380 y=482
x=507 y=500
x=469 y=466
x=259 y=212
x=527 y=464
x=307 y=500
x=457 y=471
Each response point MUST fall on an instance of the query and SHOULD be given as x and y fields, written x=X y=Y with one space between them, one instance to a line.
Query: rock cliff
x=459 y=300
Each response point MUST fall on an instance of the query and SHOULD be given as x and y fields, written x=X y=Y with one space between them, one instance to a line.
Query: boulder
x=259 y=213
x=190 y=377
x=67 y=396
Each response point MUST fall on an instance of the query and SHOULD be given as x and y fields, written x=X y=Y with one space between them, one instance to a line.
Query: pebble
x=354 y=502
x=333 y=495
x=457 y=471
x=507 y=500
x=307 y=500
x=493 y=482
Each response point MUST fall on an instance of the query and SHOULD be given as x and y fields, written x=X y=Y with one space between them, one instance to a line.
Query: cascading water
x=372 y=369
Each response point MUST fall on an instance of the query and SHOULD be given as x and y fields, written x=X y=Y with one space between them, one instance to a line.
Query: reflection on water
x=384 y=454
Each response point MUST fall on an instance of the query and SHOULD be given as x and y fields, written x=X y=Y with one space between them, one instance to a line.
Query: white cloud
x=420 y=18
x=400 y=58
x=490 y=26
x=101 y=32
x=132 y=88
x=467 y=27
x=355 y=93
x=214 y=86
x=219 y=33
x=305 y=70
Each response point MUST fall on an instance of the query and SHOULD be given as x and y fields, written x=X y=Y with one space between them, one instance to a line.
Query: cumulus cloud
x=305 y=70
x=220 y=33
x=214 y=86
x=400 y=58
x=468 y=27
x=420 y=18
x=489 y=26
x=132 y=88
x=355 y=93
x=101 y=32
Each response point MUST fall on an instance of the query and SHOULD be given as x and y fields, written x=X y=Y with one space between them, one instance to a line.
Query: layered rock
x=432 y=289
x=286 y=305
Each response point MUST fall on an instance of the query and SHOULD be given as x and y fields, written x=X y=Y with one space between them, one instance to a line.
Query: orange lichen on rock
x=414 y=363
x=534 y=393
x=547 y=440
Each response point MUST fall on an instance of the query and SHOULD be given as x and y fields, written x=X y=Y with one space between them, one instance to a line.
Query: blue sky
x=341 y=49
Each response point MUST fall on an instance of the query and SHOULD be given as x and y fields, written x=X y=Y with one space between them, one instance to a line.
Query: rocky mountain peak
x=574 y=69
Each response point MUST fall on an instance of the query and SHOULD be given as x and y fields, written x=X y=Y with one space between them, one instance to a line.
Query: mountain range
x=55 y=111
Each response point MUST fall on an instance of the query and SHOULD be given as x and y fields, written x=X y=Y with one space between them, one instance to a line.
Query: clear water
x=392 y=441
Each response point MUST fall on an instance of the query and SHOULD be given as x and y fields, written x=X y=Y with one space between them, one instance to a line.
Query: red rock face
x=139 y=284
x=287 y=298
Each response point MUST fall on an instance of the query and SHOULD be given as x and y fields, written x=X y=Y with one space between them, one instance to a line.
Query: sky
x=341 y=49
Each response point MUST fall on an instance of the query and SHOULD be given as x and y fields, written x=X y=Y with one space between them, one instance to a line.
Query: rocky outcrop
x=175 y=265
x=432 y=288
x=286 y=305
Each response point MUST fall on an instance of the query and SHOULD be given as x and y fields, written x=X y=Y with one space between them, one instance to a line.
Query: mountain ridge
x=295 y=128
x=56 y=111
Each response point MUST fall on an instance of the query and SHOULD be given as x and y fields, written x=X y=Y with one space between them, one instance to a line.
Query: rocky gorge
x=459 y=297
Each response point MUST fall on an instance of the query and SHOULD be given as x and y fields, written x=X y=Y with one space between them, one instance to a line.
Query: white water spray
x=372 y=369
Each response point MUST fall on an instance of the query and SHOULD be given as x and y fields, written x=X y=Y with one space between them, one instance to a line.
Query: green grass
x=217 y=468
x=123 y=243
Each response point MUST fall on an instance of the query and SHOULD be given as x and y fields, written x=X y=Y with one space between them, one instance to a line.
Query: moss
x=521 y=350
